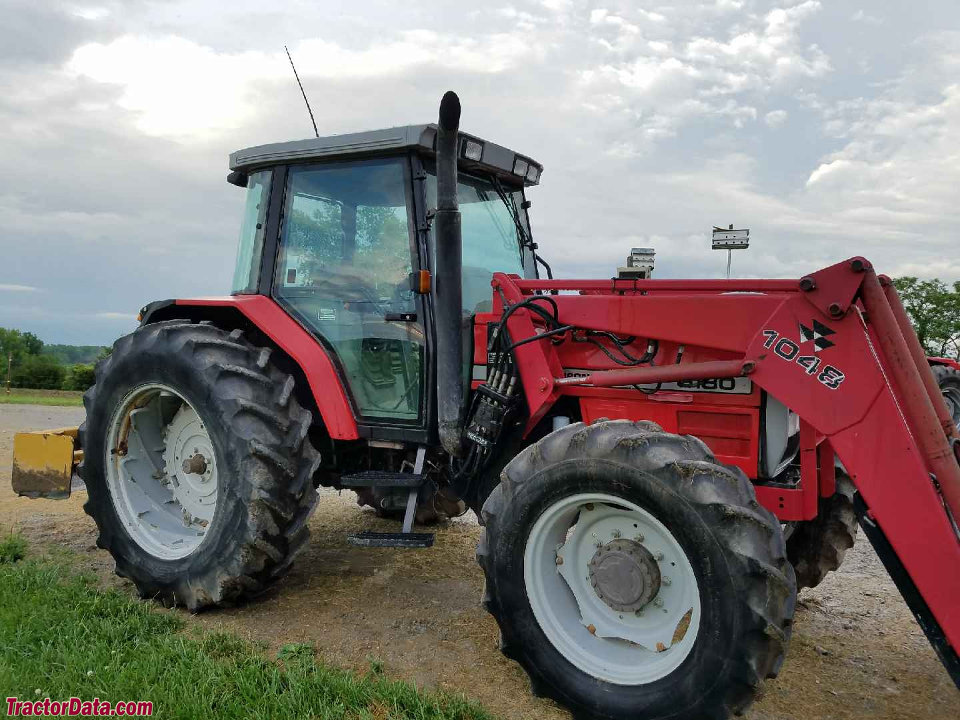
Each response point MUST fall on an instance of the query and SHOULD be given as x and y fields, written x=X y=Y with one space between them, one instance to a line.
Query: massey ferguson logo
x=818 y=334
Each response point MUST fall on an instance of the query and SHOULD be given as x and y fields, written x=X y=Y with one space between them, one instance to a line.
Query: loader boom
x=831 y=349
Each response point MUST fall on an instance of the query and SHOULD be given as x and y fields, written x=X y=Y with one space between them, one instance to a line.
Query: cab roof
x=422 y=138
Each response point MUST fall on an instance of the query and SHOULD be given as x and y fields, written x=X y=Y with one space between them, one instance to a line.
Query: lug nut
x=559 y=560
x=592 y=629
x=616 y=534
x=638 y=537
x=658 y=602
x=665 y=580
x=658 y=557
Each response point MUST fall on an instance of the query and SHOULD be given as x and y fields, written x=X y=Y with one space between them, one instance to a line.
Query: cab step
x=413 y=481
x=378 y=478
x=399 y=540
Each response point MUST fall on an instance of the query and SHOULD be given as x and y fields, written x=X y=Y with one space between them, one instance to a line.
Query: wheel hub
x=190 y=466
x=195 y=465
x=161 y=471
x=625 y=575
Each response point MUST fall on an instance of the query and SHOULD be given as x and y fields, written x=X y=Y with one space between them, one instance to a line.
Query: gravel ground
x=856 y=651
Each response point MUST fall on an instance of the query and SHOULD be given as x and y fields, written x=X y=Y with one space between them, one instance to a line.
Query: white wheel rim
x=618 y=647
x=165 y=497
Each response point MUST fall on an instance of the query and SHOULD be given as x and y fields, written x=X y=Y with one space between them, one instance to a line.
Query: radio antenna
x=302 y=92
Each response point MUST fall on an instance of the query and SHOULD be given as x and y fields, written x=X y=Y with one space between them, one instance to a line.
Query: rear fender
x=261 y=312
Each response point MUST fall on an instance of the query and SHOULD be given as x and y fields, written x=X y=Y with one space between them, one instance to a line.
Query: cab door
x=343 y=270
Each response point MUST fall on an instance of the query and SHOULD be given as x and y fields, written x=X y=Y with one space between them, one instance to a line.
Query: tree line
x=29 y=363
x=934 y=308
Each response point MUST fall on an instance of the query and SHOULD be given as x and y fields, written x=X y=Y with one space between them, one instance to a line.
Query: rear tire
x=706 y=517
x=948 y=379
x=249 y=424
x=817 y=547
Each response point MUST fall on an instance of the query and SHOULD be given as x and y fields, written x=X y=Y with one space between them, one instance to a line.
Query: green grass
x=61 y=637
x=12 y=548
x=25 y=396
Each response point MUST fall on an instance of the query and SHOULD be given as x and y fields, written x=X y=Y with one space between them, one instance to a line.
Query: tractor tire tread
x=817 y=547
x=722 y=495
x=274 y=484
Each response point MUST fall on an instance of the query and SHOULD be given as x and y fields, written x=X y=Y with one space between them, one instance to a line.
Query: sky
x=828 y=128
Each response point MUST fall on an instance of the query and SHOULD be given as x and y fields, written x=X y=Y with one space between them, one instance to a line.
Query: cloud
x=775 y=118
x=7 y=287
x=181 y=89
x=116 y=316
x=673 y=72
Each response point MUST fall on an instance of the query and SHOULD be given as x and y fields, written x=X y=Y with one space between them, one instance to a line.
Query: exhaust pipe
x=447 y=286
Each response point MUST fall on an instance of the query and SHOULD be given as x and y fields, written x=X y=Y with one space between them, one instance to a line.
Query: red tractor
x=657 y=464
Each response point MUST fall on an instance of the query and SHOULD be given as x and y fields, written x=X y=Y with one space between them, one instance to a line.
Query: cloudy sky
x=828 y=128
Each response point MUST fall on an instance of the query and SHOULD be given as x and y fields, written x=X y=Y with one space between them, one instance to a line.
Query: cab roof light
x=472 y=149
x=533 y=173
x=520 y=166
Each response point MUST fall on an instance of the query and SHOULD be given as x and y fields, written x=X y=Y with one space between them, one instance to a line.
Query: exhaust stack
x=448 y=284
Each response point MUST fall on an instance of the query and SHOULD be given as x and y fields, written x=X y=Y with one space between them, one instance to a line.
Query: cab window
x=344 y=269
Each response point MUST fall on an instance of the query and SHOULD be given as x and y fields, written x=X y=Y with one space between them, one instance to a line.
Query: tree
x=79 y=377
x=934 y=308
x=17 y=344
x=32 y=344
x=39 y=372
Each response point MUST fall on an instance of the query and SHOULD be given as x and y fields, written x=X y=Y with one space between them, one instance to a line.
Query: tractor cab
x=338 y=230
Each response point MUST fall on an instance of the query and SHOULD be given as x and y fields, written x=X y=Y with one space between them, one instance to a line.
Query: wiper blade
x=525 y=240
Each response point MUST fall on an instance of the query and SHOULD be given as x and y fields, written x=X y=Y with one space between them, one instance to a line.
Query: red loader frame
x=837 y=348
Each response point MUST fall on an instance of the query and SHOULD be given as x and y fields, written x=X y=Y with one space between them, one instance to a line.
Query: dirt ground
x=856 y=651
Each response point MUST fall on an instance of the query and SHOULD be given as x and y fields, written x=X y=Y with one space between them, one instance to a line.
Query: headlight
x=472 y=150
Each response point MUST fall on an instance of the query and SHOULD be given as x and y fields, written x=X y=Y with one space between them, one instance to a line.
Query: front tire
x=197 y=464
x=675 y=536
x=817 y=547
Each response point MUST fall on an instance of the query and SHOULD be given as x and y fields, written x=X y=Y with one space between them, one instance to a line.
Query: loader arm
x=834 y=348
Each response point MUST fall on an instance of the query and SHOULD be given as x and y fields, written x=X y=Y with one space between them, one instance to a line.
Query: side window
x=344 y=269
x=249 y=253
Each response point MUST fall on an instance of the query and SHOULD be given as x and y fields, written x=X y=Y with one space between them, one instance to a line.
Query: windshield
x=491 y=240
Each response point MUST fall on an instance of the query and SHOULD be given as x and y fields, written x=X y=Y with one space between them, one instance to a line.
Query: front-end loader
x=657 y=464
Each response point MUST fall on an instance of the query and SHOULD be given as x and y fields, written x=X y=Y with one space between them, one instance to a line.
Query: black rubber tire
x=259 y=432
x=948 y=379
x=735 y=546
x=817 y=547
